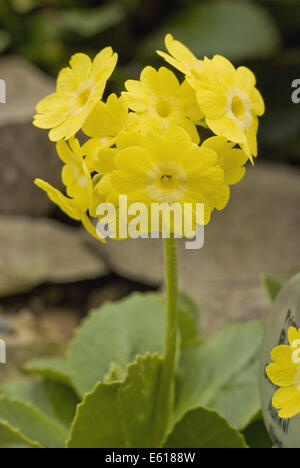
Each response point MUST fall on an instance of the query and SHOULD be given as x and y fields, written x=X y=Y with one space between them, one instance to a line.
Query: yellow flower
x=230 y=102
x=181 y=58
x=285 y=373
x=227 y=96
x=166 y=167
x=103 y=126
x=160 y=100
x=68 y=206
x=232 y=161
x=79 y=88
x=75 y=174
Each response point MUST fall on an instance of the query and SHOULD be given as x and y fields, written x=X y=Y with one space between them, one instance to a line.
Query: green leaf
x=55 y=401
x=272 y=285
x=203 y=428
x=55 y=369
x=256 y=435
x=9 y=440
x=88 y=23
x=116 y=333
x=189 y=319
x=119 y=415
x=138 y=401
x=235 y=29
x=31 y=425
x=97 y=423
x=5 y=40
x=222 y=373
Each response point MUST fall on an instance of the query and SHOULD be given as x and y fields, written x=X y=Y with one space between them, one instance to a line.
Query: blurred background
x=51 y=273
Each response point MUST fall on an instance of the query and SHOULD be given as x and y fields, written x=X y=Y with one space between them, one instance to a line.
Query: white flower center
x=82 y=96
x=296 y=354
x=166 y=183
x=238 y=107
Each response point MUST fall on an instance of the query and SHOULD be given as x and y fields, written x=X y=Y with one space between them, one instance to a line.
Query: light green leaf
x=235 y=29
x=116 y=333
x=272 y=285
x=222 y=373
x=203 y=428
x=97 y=423
x=138 y=401
x=34 y=428
x=119 y=415
x=56 y=401
x=189 y=319
x=88 y=23
x=9 y=440
x=50 y=368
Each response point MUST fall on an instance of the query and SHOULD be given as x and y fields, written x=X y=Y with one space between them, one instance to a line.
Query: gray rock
x=26 y=152
x=257 y=233
x=37 y=251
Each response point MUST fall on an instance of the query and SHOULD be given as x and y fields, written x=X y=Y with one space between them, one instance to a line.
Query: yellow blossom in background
x=104 y=124
x=160 y=100
x=79 y=88
x=285 y=373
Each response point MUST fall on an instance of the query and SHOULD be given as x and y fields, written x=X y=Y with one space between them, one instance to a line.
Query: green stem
x=166 y=390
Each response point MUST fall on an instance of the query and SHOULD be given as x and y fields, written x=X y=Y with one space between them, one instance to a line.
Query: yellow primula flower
x=230 y=102
x=160 y=101
x=227 y=96
x=68 y=206
x=79 y=88
x=182 y=58
x=285 y=373
x=166 y=167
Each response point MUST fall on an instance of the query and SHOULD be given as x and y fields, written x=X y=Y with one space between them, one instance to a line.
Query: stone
x=35 y=251
x=257 y=233
x=26 y=152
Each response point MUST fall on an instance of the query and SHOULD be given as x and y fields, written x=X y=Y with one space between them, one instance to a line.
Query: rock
x=35 y=251
x=26 y=152
x=257 y=233
x=36 y=335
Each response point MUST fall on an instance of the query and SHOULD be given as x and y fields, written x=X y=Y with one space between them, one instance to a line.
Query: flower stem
x=166 y=390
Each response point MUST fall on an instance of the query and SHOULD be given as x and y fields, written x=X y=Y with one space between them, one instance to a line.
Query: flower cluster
x=285 y=373
x=145 y=144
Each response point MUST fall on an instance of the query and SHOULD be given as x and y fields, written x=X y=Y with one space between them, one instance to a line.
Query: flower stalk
x=166 y=390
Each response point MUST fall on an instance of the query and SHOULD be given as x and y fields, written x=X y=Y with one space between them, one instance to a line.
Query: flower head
x=285 y=373
x=79 y=88
x=161 y=101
